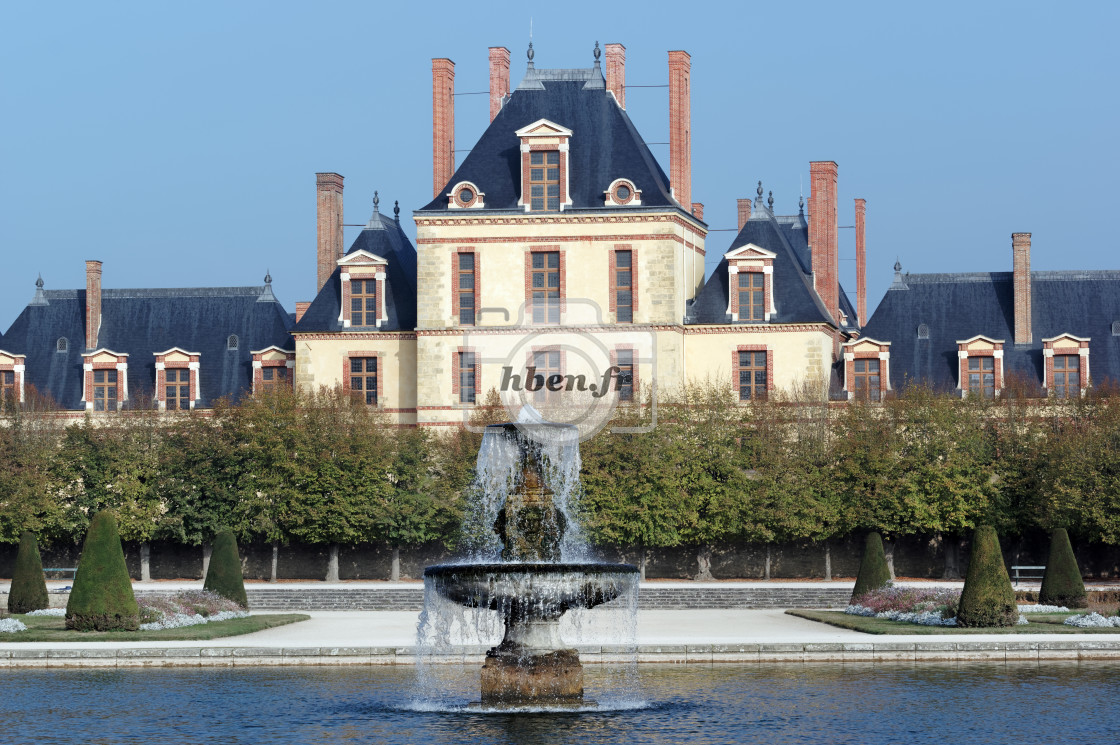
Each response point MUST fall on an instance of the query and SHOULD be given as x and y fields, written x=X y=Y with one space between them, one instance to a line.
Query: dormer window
x=1116 y=328
x=231 y=343
x=12 y=369
x=105 y=386
x=923 y=331
x=465 y=195
x=750 y=284
x=981 y=366
x=621 y=192
x=177 y=379
x=544 y=167
x=1066 y=360
x=273 y=368
x=62 y=345
x=363 y=290
x=867 y=372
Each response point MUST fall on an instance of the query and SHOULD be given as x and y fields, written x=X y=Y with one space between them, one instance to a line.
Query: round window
x=622 y=193
x=466 y=195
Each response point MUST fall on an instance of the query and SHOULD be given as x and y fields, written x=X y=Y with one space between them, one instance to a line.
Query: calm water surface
x=944 y=704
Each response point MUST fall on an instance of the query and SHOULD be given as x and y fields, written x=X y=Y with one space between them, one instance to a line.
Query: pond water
x=813 y=703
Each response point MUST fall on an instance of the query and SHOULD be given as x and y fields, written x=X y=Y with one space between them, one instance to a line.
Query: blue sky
x=179 y=144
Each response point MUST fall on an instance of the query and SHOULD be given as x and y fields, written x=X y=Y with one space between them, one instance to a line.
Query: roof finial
x=266 y=295
x=40 y=296
x=897 y=266
x=530 y=54
x=268 y=276
x=898 y=283
x=758 y=199
x=376 y=201
x=597 y=52
x=39 y=282
x=770 y=202
x=801 y=205
x=397 y=210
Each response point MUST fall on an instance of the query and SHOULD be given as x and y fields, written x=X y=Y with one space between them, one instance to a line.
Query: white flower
x=1093 y=620
x=56 y=612
x=11 y=625
x=179 y=620
x=1043 y=609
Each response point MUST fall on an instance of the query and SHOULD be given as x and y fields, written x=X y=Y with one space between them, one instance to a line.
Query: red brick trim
x=455 y=388
x=997 y=366
x=18 y=360
x=884 y=370
x=735 y=366
x=362 y=336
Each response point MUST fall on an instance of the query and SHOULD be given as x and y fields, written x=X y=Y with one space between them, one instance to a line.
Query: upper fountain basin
x=536 y=589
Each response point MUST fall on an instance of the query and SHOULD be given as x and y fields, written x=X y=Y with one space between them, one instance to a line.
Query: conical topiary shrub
x=1062 y=584
x=223 y=576
x=988 y=598
x=102 y=598
x=873 y=570
x=29 y=589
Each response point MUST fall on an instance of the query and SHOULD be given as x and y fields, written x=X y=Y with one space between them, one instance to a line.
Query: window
x=178 y=389
x=982 y=376
x=752 y=375
x=274 y=377
x=923 y=331
x=625 y=385
x=867 y=386
x=546 y=366
x=231 y=342
x=544 y=181
x=62 y=345
x=623 y=287
x=1067 y=375
x=363 y=302
x=545 y=284
x=104 y=390
x=467 y=380
x=8 y=392
x=751 y=296
x=1116 y=328
x=363 y=379
x=466 y=289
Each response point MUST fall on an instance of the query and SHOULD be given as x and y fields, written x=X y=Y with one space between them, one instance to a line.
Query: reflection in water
x=816 y=703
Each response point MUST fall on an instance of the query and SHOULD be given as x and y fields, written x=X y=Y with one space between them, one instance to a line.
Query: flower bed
x=1093 y=620
x=186 y=608
x=925 y=606
x=56 y=612
x=11 y=626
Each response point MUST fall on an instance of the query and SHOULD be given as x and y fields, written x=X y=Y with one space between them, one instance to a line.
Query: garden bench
x=1026 y=572
x=72 y=570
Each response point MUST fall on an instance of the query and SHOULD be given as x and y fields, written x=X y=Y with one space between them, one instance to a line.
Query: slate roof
x=604 y=145
x=959 y=306
x=795 y=300
x=142 y=322
x=382 y=237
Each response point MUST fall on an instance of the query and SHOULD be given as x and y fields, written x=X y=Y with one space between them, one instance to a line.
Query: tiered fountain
x=530 y=575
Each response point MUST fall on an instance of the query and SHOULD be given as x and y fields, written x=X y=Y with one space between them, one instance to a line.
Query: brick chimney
x=499 y=79
x=861 y=264
x=698 y=210
x=328 y=201
x=93 y=302
x=1021 y=251
x=680 y=126
x=443 y=123
x=744 y=212
x=616 y=72
x=822 y=234
x=301 y=308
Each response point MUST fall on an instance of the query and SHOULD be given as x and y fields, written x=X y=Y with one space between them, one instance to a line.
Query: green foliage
x=102 y=599
x=223 y=575
x=29 y=590
x=1062 y=583
x=988 y=598
x=873 y=570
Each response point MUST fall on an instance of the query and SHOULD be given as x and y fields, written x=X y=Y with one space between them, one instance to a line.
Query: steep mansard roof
x=140 y=323
x=955 y=307
x=382 y=237
x=604 y=145
x=795 y=300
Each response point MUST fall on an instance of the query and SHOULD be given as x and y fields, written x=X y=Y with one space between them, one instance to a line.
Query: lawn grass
x=53 y=629
x=1044 y=623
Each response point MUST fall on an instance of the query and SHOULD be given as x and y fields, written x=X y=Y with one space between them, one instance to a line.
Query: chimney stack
x=499 y=79
x=744 y=212
x=301 y=308
x=328 y=201
x=1021 y=251
x=93 y=302
x=680 y=127
x=861 y=264
x=822 y=234
x=443 y=123
x=698 y=210
x=616 y=72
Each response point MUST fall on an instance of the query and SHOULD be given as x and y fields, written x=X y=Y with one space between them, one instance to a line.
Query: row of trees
x=320 y=469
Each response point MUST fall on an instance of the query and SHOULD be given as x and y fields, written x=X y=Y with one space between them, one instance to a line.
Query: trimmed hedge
x=102 y=598
x=29 y=589
x=223 y=575
x=873 y=570
x=988 y=599
x=1062 y=583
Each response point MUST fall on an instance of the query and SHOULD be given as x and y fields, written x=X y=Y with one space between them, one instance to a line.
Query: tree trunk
x=951 y=547
x=888 y=553
x=704 y=560
x=395 y=569
x=766 y=572
x=827 y=562
x=642 y=563
x=272 y=576
x=206 y=549
x=145 y=562
x=332 y=564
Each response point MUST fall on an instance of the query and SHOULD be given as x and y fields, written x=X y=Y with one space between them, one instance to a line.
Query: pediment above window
x=750 y=251
x=362 y=258
x=544 y=128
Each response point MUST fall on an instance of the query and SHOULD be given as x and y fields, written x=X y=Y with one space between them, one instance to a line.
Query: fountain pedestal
x=551 y=678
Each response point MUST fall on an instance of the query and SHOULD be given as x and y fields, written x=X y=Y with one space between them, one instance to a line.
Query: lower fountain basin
x=536 y=590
